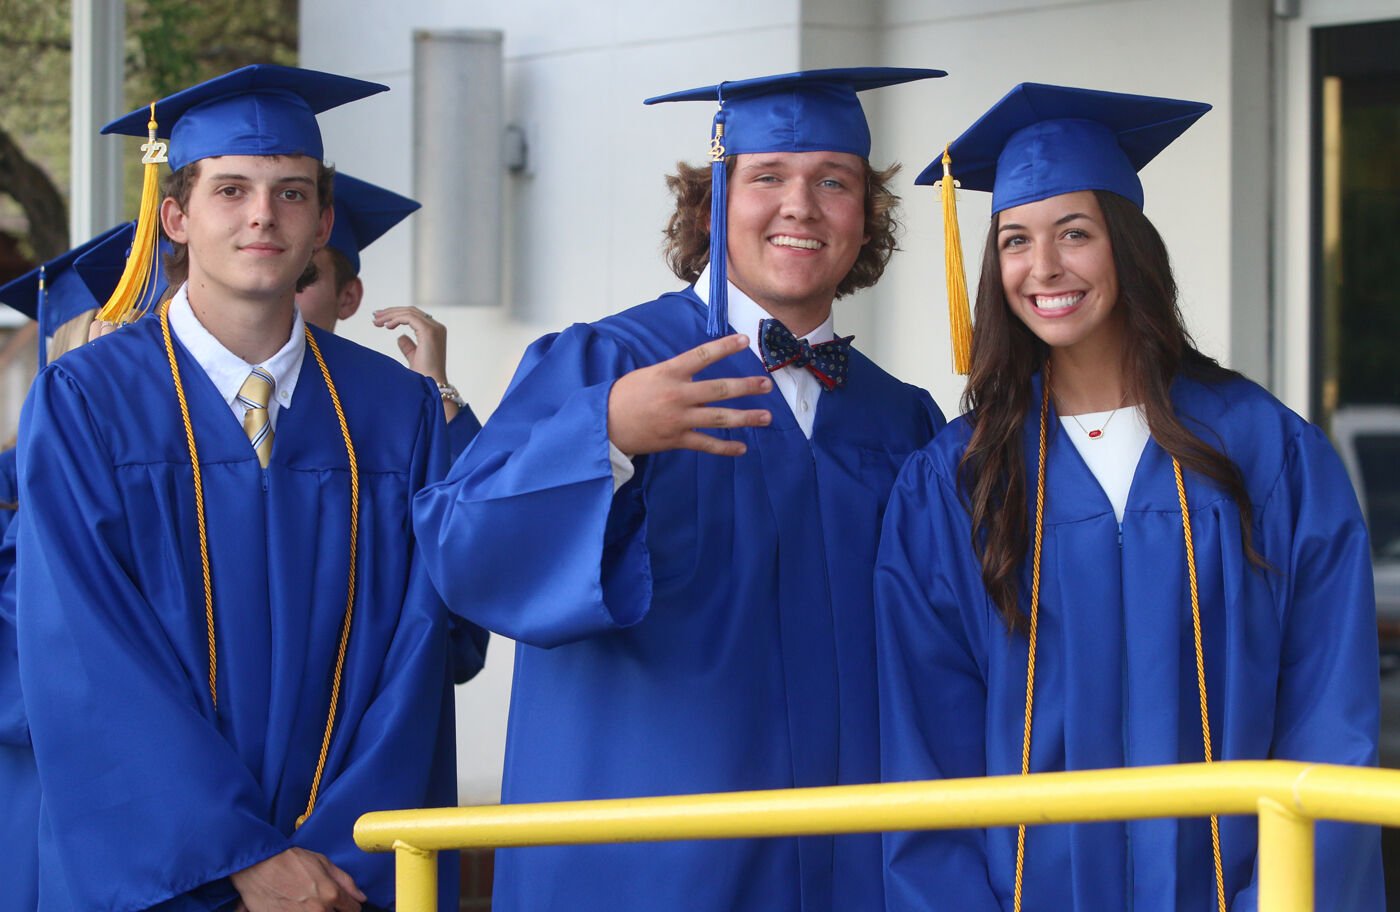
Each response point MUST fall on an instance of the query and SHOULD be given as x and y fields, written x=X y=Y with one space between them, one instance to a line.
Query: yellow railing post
x=1285 y=859
x=416 y=874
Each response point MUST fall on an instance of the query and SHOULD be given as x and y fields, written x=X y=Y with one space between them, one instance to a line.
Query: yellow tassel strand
x=959 y=311
x=133 y=289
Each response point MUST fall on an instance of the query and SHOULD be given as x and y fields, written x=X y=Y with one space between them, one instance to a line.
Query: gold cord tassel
x=126 y=303
x=959 y=312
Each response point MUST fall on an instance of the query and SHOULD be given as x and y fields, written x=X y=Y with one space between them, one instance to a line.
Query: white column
x=458 y=169
x=95 y=194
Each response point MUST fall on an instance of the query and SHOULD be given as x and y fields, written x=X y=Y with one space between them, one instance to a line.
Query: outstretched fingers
x=717 y=446
x=689 y=363
x=703 y=391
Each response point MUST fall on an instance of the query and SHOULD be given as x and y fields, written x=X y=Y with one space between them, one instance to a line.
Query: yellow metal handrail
x=1286 y=796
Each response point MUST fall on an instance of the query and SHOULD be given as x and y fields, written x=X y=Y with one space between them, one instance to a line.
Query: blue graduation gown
x=150 y=797
x=19 y=780
x=708 y=628
x=1290 y=657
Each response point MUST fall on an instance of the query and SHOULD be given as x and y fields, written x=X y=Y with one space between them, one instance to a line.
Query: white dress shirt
x=799 y=387
x=227 y=370
x=1112 y=457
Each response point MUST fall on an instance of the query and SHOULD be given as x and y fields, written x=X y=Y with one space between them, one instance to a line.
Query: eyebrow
x=1059 y=221
x=765 y=163
x=292 y=179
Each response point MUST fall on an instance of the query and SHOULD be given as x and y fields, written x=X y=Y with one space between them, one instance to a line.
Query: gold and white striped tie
x=255 y=393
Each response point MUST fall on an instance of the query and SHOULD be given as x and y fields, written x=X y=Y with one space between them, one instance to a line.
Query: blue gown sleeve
x=931 y=611
x=130 y=756
x=1328 y=704
x=525 y=536
x=14 y=729
x=466 y=641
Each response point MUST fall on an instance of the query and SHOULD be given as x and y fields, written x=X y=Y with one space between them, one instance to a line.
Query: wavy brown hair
x=992 y=474
x=179 y=185
x=687 y=244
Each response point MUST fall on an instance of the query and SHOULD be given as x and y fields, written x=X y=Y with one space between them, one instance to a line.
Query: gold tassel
x=125 y=304
x=959 y=312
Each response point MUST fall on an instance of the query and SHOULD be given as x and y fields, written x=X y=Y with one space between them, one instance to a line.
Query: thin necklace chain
x=1097 y=433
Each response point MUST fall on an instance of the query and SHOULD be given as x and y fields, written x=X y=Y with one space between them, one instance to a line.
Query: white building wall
x=583 y=225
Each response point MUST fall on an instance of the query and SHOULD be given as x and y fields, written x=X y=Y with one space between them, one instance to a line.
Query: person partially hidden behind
x=363 y=213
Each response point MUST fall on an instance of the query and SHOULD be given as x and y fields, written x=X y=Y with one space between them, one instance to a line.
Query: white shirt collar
x=745 y=314
x=226 y=370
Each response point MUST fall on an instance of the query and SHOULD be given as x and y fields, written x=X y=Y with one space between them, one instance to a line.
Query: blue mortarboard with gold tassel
x=808 y=111
x=261 y=109
x=102 y=265
x=1041 y=141
x=364 y=212
x=55 y=292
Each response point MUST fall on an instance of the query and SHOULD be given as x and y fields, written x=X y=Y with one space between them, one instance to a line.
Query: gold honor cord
x=1200 y=670
x=350 y=593
x=1035 y=617
x=198 y=503
x=204 y=542
x=1030 y=658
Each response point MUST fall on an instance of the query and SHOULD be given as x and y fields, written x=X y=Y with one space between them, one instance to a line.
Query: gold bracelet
x=449 y=394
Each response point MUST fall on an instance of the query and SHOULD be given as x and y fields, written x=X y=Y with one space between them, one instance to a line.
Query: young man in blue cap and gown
x=689 y=583
x=236 y=652
x=1196 y=586
x=57 y=295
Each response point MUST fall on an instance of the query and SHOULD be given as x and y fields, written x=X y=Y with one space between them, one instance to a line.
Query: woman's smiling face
x=1058 y=273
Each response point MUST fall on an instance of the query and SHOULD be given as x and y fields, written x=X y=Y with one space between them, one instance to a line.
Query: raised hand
x=426 y=350
x=660 y=407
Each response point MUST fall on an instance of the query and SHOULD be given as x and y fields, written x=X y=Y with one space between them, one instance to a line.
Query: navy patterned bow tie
x=828 y=361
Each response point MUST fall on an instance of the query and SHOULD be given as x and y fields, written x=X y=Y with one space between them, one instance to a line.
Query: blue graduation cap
x=262 y=109
x=808 y=111
x=101 y=267
x=363 y=212
x=1041 y=141
x=54 y=292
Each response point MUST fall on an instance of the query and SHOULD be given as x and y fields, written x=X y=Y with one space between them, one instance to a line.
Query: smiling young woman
x=1122 y=555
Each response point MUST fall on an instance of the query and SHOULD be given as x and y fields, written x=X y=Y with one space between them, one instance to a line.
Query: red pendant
x=1096 y=434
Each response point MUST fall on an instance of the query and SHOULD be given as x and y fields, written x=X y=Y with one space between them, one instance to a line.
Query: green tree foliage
x=170 y=44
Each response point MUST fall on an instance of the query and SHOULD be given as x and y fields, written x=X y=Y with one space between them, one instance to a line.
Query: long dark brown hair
x=1006 y=354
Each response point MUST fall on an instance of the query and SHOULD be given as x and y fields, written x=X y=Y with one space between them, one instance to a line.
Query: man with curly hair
x=690 y=583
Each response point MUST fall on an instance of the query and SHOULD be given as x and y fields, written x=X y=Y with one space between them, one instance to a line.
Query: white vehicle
x=1368 y=439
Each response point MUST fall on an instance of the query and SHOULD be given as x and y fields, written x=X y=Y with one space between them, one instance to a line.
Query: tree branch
x=43 y=206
